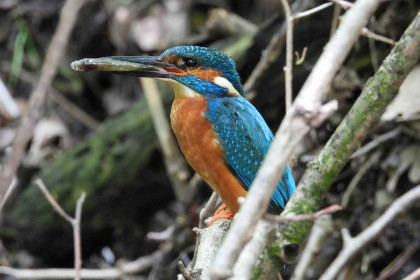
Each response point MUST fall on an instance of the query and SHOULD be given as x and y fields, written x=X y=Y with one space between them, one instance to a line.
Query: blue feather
x=245 y=138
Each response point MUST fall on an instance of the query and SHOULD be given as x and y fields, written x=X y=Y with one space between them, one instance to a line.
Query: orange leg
x=222 y=213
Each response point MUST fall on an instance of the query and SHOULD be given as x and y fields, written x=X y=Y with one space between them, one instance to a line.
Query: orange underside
x=202 y=150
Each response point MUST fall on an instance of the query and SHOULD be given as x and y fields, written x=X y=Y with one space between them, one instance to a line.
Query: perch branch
x=74 y=222
x=366 y=111
x=49 y=68
x=307 y=111
x=353 y=245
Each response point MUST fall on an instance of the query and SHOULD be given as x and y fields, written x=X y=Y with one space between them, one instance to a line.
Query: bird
x=221 y=134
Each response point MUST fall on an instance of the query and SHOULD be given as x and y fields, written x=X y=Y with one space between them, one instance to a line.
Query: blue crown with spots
x=207 y=58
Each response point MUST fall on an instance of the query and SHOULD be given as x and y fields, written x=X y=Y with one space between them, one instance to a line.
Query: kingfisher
x=221 y=134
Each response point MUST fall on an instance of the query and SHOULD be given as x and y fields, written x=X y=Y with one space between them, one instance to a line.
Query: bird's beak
x=151 y=66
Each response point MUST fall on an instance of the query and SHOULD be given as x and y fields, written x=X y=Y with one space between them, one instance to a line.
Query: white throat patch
x=179 y=88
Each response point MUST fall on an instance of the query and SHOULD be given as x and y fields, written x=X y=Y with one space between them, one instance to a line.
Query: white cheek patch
x=223 y=82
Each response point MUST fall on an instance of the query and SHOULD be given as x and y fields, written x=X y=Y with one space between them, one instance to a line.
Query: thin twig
x=74 y=222
x=60 y=211
x=312 y=11
x=54 y=53
x=307 y=111
x=398 y=262
x=304 y=217
x=353 y=245
x=360 y=173
x=184 y=271
x=321 y=229
x=289 y=54
x=142 y=264
x=376 y=142
x=244 y=268
x=366 y=32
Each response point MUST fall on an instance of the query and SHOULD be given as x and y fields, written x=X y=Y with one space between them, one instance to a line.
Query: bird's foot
x=223 y=212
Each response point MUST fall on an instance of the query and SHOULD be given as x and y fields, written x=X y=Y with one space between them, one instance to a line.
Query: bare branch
x=54 y=53
x=289 y=54
x=304 y=217
x=360 y=173
x=312 y=11
x=398 y=262
x=322 y=227
x=57 y=208
x=355 y=244
x=142 y=264
x=376 y=142
x=366 y=32
x=184 y=271
x=74 y=222
x=306 y=110
x=244 y=267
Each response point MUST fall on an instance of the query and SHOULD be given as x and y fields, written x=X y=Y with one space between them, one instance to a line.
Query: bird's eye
x=190 y=62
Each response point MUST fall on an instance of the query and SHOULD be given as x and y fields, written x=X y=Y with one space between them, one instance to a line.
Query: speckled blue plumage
x=245 y=138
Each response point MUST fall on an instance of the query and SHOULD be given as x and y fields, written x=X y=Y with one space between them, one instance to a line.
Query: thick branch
x=305 y=112
x=376 y=95
x=354 y=245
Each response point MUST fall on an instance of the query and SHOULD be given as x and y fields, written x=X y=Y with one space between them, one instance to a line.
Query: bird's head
x=203 y=70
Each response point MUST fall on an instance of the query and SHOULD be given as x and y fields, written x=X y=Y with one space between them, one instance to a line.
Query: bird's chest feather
x=202 y=149
x=194 y=132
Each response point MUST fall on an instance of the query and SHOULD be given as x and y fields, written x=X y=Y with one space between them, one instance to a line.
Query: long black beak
x=138 y=66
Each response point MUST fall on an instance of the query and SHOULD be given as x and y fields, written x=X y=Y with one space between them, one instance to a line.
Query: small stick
x=184 y=271
x=312 y=11
x=305 y=217
x=366 y=32
x=75 y=223
x=376 y=142
x=289 y=54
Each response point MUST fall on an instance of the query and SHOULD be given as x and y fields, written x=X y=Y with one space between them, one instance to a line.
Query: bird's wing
x=245 y=138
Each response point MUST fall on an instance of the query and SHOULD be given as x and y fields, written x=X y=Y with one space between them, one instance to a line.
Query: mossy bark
x=365 y=113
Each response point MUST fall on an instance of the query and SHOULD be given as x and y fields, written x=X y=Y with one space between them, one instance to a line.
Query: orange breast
x=201 y=148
